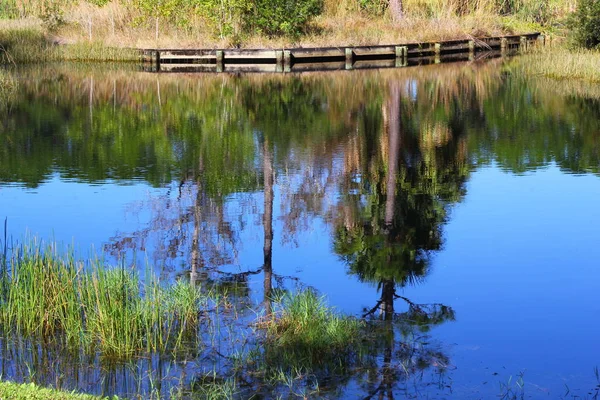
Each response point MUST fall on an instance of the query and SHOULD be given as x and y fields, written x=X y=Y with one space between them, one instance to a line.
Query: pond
x=460 y=201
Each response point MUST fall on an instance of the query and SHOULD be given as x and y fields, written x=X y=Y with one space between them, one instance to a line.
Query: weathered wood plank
x=322 y=66
x=374 y=64
x=251 y=68
x=300 y=54
x=187 y=53
x=170 y=56
x=188 y=67
x=375 y=51
x=250 y=54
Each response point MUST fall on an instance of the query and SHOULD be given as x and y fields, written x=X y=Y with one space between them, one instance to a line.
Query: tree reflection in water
x=378 y=157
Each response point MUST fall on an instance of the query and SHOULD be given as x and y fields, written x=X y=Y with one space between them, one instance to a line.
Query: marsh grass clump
x=27 y=45
x=53 y=297
x=10 y=390
x=22 y=45
x=558 y=62
x=94 y=52
x=306 y=334
x=213 y=387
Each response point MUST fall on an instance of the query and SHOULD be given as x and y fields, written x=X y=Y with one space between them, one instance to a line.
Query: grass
x=92 y=307
x=50 y=299
x=211 y=387
x=16 y=391
x=8 y=87
x=30 y=44
x=93 y=32
x=559 y=62
x=307 y=334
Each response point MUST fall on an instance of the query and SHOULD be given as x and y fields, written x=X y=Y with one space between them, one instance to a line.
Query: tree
x=585 y=24
x=268 y=177
x=397 y=10
x=158 y=9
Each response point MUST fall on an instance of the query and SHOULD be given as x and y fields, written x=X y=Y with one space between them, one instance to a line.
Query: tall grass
x=30 y=44
x=24 y=45
x=306 y=334
x=558 y=62
x=53 y=297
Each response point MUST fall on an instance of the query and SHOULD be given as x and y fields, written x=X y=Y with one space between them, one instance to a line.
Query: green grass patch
x=24 y=391
x=53 y=297
x=306 y=334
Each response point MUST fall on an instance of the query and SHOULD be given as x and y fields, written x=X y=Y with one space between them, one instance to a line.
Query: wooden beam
x=349 y=58
x=220 y=60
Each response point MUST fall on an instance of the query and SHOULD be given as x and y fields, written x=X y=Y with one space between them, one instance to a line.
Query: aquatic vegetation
x=24 y=44
x=307 y=334
x=16 y=391
x=558 y=62
x=214 y=387
x=51 y=296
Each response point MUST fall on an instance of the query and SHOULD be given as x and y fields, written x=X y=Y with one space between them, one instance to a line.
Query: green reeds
x=17 y=391
x=53 y=297
x=306 y=334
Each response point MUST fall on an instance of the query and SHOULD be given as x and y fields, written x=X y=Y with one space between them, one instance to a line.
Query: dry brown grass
x=342 y=23
x=361 y=30
x=327 y=31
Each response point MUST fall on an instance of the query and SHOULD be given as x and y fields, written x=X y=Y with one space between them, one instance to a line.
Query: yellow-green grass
x=560 y=63
x=91 y=307
x=30 y=391
x=306 y=334
x=30 y=44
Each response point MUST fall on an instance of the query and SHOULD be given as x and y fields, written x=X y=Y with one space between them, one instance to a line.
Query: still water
x=464 y=186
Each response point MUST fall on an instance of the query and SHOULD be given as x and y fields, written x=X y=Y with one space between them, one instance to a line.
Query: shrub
x=282 y=17
x=373 y=7
x=585 y=24
x=225 y=15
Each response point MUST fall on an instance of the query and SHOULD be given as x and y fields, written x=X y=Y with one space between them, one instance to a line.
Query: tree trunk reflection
x=268 y=224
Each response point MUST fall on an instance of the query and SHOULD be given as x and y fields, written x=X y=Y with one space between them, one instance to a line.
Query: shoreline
x=335 y=58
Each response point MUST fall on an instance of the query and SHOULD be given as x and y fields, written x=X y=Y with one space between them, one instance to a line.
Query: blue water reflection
x=464 y=186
